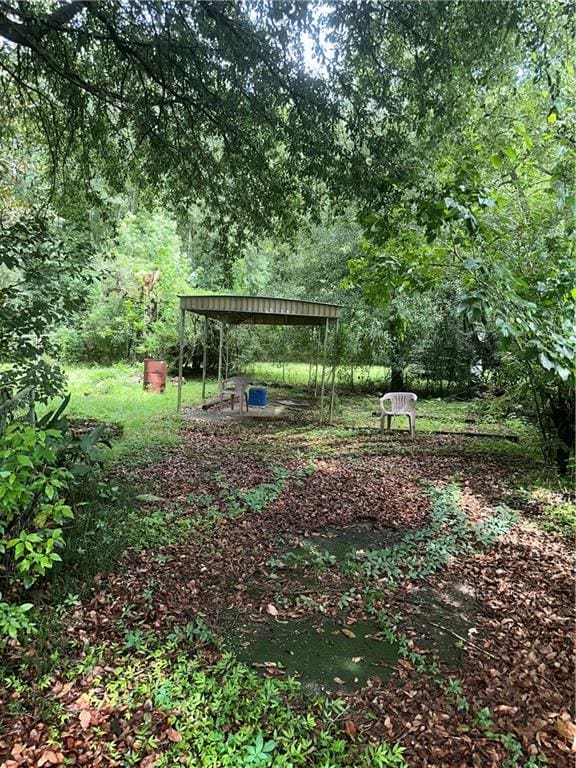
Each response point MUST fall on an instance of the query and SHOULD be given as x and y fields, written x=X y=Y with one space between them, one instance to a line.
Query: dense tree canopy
x=218 y=102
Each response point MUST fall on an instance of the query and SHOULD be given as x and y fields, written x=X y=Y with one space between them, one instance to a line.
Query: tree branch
x=29 y=32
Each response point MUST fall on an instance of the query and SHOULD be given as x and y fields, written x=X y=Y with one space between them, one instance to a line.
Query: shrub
x=33 y=510
x=32 y=503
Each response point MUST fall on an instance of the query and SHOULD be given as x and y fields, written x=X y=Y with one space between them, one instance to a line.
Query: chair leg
x=381 y=425
x=412 y=420
x=388 y=421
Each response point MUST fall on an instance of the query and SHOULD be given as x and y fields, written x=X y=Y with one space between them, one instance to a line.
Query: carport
x=265 y=310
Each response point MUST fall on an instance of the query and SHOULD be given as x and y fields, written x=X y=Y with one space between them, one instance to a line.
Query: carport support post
x=323 y=383
x=180 y=358
x=317 y=332
x=220 y=346
x=334 y=363
x=310 y=356
x=204 y=357
x=226 y=351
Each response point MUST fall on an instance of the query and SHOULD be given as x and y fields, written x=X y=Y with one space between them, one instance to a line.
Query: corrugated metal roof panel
x=261 y=310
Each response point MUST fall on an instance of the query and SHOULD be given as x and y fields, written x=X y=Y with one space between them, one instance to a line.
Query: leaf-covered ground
x=234 y=499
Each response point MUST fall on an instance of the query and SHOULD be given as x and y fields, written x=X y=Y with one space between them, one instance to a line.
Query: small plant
x=383 y=756
x=136 y=640
x=32 y=504
x=423 y=552
x=260 y=753
x=15 y=621
x=490 y=530
x=483 y=720
x=306 y=555
x=453 y=689
x=346 y=599
x=196 y=632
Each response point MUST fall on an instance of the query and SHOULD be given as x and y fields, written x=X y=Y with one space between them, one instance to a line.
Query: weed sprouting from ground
x=421 y=553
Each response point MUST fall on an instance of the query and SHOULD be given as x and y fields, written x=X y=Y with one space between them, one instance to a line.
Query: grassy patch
x=553 y=510
x=115 y=394
x=299 y=374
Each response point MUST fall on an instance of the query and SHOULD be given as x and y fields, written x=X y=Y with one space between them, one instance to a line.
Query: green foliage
x=254 y=500
x=194 y=633
x=260 y=753
x=142 y=93
x=560 y=518
x=493 y=209
x=41 y=471
x=382 y=756
x=429 y=549
x=306 y=555
x=133 y=308
x=33 y=510
x=494 y=527
x=43 y=278
x=226 y=715
x=32 y=502
x=15 y=621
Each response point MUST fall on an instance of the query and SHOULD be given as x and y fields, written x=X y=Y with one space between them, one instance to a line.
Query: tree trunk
x=397 y=380
x=562 y=415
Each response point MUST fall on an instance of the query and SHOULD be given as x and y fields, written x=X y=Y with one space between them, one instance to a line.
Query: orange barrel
x=155 y=375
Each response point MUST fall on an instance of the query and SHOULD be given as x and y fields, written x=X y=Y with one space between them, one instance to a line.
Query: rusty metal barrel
x=155 y=375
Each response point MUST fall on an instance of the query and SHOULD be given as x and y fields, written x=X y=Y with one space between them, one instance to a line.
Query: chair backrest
x=239 y=383
x=400 y=402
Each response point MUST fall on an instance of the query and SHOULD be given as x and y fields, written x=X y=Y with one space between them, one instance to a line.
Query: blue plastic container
x=258 y=397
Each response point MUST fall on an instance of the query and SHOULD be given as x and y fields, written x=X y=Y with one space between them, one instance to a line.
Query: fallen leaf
x=339 y=680
x=173 y=735
x=85 y=718
x=567 y=730
x=50 y=758
x=271 y=610
x=350 y=728
x=348 y=633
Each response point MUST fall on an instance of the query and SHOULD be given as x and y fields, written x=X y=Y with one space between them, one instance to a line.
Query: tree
x=204 y=100
x=494 y=206
x=133 y=306
x=42 y=278
x=215 y=102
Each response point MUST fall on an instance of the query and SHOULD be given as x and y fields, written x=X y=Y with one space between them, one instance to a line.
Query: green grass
x=298 y=374
x=115 y=394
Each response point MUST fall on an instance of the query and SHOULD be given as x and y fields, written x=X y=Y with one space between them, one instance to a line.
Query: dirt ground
x=252 y=491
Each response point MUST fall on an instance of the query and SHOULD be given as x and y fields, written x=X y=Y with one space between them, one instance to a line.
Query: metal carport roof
x=261 y=310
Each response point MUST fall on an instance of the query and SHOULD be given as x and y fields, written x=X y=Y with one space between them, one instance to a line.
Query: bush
x=32 y=502
x=39 y=466
x=32 y=512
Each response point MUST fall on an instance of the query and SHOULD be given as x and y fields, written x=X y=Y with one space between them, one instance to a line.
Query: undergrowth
x=183 y=710
x=420 y=553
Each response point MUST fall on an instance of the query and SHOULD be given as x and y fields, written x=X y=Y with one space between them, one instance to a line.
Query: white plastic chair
x=401 y=404
x=235 y=387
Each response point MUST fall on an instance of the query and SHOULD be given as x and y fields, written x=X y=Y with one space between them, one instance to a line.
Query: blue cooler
x=258 y=397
